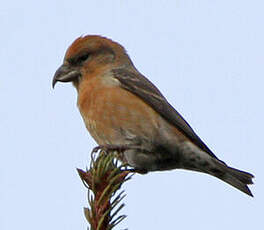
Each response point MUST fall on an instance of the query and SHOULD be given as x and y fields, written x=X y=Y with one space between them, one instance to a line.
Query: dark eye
x=82 y=58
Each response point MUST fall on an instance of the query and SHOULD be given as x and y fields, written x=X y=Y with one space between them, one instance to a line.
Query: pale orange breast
x=108 y=109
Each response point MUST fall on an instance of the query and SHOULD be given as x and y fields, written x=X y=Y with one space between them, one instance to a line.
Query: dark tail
x=193 y=158
x=234 y=177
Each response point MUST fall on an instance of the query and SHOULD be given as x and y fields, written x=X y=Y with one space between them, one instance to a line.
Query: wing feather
x=143 y=88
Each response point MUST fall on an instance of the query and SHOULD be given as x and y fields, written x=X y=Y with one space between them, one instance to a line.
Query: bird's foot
x=136 y=170
x=119 y=148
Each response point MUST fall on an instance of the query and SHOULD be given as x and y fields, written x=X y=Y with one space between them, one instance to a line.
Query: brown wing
x=143 y=88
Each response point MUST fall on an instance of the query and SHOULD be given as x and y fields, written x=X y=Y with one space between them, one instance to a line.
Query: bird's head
x=89 y=56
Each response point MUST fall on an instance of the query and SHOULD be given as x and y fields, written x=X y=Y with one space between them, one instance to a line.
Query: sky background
x=207 y=59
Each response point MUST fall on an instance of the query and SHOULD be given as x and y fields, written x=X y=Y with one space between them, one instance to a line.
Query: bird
x=122 y=110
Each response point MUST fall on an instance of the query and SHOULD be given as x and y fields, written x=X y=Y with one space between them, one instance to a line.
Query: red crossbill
x=123 y=110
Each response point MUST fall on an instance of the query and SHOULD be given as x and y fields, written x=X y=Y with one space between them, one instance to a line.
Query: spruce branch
x=103 y=180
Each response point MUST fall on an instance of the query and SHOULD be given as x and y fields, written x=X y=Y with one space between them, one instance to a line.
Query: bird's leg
x=119 y=148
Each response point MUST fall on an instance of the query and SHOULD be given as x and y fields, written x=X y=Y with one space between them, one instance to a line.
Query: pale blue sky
x=205 y=56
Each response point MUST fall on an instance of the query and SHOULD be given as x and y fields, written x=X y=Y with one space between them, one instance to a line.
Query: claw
x=96 y=149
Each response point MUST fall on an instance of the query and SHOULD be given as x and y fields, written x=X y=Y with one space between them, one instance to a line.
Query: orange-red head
x=88 y=56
